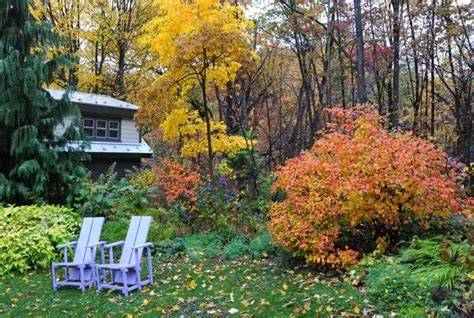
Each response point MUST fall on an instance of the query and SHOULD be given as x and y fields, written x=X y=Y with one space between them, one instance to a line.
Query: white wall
x=129 y=131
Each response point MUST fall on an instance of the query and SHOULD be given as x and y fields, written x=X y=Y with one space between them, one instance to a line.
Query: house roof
x=113 y=147
x=92 y=99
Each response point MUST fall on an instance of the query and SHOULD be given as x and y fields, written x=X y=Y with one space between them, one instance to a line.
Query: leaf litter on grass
x=195 y=288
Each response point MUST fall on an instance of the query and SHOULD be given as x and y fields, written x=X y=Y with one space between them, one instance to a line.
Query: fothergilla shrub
x=357 y=189
x=29 y=235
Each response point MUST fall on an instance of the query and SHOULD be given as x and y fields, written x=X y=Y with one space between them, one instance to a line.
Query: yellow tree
x=103 y=35
x=66 y=17
x=201 y=45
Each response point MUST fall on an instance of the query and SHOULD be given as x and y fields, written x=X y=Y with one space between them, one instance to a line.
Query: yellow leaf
x=192 y=284
x=357 y=309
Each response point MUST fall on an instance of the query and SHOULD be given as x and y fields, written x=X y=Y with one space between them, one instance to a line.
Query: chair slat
x=130 y=239
x=94 y=235
x=83 y=240
x=141 y=237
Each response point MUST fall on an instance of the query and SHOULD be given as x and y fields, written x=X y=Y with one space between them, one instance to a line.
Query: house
x=113 y=135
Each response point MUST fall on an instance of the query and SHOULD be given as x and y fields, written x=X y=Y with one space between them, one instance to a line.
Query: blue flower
x=222 y=181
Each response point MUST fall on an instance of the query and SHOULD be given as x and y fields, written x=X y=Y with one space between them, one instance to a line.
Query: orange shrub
x=177 y=181
x=358 y=178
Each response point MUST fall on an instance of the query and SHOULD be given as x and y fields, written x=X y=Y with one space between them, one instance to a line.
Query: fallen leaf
x=233 y=311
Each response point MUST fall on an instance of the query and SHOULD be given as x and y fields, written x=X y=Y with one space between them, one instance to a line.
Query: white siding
x=129 y=131
x=60 y=129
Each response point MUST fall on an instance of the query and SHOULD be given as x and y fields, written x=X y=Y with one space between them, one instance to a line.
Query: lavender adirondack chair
x=80 y=271
x=126 y=274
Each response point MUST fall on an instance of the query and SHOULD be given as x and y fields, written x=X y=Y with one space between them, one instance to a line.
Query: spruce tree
x=34 y=163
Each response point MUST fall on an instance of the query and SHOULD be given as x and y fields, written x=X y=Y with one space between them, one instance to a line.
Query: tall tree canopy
x=200 y=45
x=33 y=160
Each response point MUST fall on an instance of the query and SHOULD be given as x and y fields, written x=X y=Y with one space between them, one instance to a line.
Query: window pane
x=86 y=122
x=113 y=124
x=101 y=123
x=89 y=131
x=100 y=133
x=113 y=134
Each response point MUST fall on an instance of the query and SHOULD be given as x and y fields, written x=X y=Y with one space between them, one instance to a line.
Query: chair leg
x=55 y=284
x=125 y=283
x=93 y=277
x=98 y=280
x=83 y=283
x=139 y=279
x=150 y=270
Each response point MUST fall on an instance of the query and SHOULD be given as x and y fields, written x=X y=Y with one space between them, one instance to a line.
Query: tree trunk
x=361 y=84
x=394 y=107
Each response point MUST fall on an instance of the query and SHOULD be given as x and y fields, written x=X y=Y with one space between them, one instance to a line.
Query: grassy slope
x=199 y=288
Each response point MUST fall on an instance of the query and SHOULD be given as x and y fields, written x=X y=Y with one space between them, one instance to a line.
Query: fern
x=438 y=261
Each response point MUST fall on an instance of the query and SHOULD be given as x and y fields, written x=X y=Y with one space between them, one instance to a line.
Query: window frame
x=107 y=129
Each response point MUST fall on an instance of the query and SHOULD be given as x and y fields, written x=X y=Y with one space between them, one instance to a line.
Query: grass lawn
x=193 y=288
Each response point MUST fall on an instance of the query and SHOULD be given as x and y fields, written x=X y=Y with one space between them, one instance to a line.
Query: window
x=88 y=125
x=113 y=129
x=101 y=129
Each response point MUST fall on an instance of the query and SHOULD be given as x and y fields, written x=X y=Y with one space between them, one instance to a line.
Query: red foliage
x=178 y=181
x=357 y=174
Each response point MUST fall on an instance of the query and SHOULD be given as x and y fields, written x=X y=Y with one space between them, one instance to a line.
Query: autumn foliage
x=358 y=178
x=175 y=182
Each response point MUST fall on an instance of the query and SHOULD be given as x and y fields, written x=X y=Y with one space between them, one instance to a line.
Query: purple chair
x=80 y=271
x=126 y=274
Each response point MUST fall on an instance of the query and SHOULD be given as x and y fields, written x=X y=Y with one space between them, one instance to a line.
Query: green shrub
x=236 y=249
x=29 y=235
x=115 y=230
x=393 y=286
x=108 y=197
x=262 y=246
x=166 y=223
x=169 y=249
x=228 y=244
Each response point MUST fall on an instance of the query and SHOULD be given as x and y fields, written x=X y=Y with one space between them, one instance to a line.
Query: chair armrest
x=114 y=244
x=100 y=243
x=149 y=244
x=73 y=243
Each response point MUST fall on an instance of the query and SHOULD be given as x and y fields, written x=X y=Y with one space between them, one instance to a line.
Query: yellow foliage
x=200 y=45
x=185 y=126
x=201 y=35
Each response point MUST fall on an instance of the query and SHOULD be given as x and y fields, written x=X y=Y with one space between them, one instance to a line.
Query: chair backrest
x=90 y=234
x=137 y=234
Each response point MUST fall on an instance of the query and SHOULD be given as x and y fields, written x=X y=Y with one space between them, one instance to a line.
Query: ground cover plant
x=30 y=234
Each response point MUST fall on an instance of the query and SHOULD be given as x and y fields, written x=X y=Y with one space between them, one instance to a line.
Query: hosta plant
x=30 y=233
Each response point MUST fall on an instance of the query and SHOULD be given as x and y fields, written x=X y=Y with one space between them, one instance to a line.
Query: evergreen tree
x=34 y=163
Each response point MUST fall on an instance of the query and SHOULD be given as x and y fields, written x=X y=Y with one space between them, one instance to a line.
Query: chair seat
x=114 y=266
x=71 y=264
